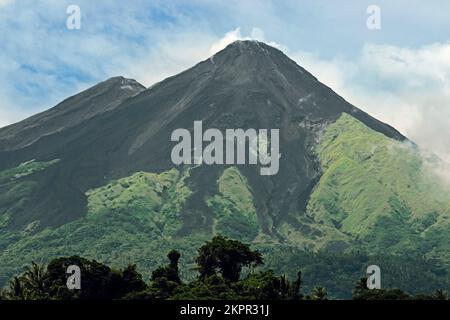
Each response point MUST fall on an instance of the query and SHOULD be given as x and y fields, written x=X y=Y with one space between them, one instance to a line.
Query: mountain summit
x=94 y=175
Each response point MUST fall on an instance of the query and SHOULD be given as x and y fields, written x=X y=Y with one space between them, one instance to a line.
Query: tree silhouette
x=227 y=257
x=319 y=293
x=34 y=281
x=15 y=290
x=297 y=287
x=220 y=262
x=440 y=294
x=169 y=272
x=361 y=292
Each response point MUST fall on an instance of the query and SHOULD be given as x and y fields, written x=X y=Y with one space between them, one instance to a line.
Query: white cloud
x=407 y=88
x=235 y=35
x=229 y=37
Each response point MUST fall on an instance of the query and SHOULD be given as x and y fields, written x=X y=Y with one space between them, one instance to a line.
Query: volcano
x=93 y=176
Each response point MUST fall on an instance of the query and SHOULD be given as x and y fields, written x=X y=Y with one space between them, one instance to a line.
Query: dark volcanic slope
x=96 y=100
x=247 y=85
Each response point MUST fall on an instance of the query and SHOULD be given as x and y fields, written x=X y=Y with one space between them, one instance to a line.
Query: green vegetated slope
x=15 y=192
x=379 y=192
x=377 y=202
x=135 y=220
x=25 y=169
x=235 y=213
x=374 y=196
x=131 y=220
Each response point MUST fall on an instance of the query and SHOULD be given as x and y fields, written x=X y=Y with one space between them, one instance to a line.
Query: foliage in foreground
x=220 y=263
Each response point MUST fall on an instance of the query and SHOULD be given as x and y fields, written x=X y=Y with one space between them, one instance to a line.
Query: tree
x=437 y=295
x=169 y=272
x=440 y=295
x=297 y=287
x=132 y=280
x=15 y=290
x=220 y=262
x=265 y=285
x=361 y=292
x=212 y=288
x=34 y=281
x=227 y=257
x=164 y=279
x=30 y=285
x=98 y=281
x=360 y=288
x=319 y=293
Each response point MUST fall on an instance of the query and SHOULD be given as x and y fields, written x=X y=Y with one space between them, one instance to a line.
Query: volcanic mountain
x=93 y=176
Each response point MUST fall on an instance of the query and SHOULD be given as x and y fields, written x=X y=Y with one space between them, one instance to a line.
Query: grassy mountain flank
x=234 y=211
x=133 y=218
x=373 y=196
x=378 y=191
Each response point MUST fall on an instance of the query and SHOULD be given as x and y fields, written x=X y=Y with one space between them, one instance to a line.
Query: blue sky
x=400 y=73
